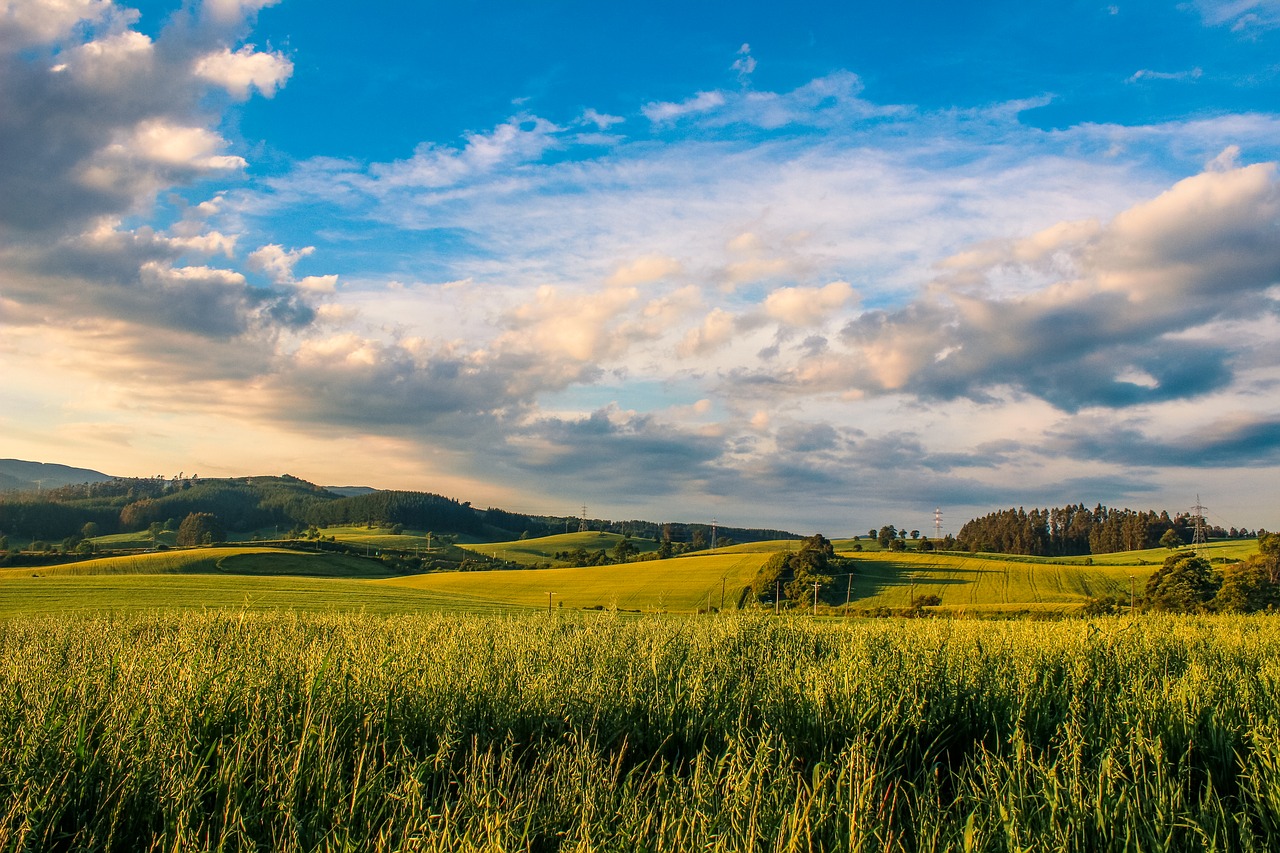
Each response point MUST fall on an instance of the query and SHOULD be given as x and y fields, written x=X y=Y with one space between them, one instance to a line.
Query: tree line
x=128 y=505
x=1076 y=530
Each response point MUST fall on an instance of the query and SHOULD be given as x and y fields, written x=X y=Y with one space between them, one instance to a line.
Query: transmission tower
x=582 y=525
x=1198 y=536
x=937 y=523
x=713 y=533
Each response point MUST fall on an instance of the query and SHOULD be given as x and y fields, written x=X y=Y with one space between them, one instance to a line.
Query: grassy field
x=684 y=584
x=247 y=578
x=977 y=584
x=984 y=583
x=544 y=548
x=293 y=732
x=230 y=560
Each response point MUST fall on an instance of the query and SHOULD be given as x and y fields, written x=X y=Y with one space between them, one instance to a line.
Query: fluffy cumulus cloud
x=1121 y=330
x=102 y=126
x=243 y=70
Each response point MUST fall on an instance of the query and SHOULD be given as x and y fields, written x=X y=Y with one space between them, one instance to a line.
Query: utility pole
x=713 y=533
x=815 y=598
x=848 y=592
x=1198 y=535
x=549 y=602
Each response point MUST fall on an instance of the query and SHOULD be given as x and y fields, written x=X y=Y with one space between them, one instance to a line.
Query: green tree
x=1186 y=583
x=1254 y=584
x=1171 y=539
x=886 y=535
x=623 y=550
x=1248 y=587
x=200 y=528
x=799 y=571
x=89 y=530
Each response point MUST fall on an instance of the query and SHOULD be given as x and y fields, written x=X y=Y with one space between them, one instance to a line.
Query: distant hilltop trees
x=1077 y=530
x=285 y=504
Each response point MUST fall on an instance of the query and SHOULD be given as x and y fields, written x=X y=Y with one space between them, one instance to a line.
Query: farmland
x=261 y=577
x=300 y=732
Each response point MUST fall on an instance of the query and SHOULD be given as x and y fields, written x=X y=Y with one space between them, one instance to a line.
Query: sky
x=816 y=266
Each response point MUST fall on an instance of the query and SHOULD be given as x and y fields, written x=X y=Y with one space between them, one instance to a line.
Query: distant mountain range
x=19 y=475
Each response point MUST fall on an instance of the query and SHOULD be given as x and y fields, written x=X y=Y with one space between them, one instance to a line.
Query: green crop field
x=985 y=583
x=976 y=584
x=305 y=732
x=231 y=560
x=683 y=584
x=128 y=541
x=543 y=549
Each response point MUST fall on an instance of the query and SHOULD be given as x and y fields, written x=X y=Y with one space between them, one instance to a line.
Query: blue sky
x=822 y=269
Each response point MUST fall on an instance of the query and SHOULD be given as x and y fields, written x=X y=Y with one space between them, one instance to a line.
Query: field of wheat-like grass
x=243 y=731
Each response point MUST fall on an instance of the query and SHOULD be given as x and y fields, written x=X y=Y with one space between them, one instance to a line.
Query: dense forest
x=1075 y=530
x=284 y=504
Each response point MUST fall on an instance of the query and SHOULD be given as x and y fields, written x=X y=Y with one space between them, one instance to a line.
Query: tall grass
x=434 y=733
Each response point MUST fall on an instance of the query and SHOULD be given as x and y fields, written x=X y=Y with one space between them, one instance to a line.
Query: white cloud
x=278 y=262
x=663 y=112
x=583 y=327
x=244 y=70
x=162 y=142
x=644 y=270
x=111 y=62
x=233 y=11
x=1240 y=15
x=1119 y=334
x=28 y=22
x=319 y=283
x=808 y=306
x=602 y=121
x=745 y=64
x=522 y=139
x=1148 y=74
x=177 y=276
x=717 y=330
